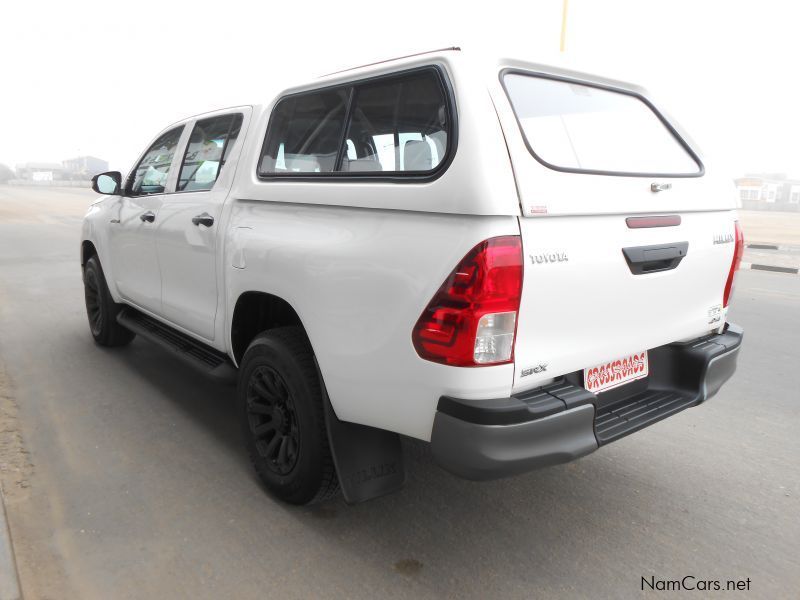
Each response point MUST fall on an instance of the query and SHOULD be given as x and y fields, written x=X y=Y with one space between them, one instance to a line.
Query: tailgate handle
x=651 y=259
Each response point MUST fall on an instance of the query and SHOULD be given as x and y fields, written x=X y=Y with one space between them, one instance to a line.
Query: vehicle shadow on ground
x=209 y=404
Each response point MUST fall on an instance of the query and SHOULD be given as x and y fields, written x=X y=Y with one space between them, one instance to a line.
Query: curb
x=9 y=579
x=757 y=267
x=768 y=246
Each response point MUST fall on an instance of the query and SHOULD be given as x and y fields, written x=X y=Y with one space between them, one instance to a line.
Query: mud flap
x=369 y=461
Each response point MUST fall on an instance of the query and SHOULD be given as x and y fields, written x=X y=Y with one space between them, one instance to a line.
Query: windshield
x=577 y=127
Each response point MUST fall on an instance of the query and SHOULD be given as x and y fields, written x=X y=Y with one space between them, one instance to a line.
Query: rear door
x=627 y=240
x=188 y=230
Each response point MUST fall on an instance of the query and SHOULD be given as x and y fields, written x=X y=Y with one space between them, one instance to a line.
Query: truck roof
x=380 y=62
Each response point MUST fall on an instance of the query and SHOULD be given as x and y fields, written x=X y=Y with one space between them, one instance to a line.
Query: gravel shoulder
x=40 y=566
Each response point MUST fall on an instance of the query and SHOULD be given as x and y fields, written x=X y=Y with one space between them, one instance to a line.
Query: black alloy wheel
x=281 y=399
x=94 y=302
x=101 y=309
x=273 y=420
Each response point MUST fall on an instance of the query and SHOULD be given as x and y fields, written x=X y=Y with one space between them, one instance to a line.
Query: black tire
x=101 y=308
x=281 y=412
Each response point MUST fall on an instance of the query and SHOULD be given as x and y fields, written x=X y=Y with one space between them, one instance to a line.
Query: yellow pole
x=564 y=24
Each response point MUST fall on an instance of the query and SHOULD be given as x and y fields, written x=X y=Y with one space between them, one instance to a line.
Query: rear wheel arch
x=255 y=313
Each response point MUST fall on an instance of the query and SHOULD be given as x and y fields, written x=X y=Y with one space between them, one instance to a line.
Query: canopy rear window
x=571 y=126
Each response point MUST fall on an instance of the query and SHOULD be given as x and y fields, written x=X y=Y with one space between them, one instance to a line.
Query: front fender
x=95 y=229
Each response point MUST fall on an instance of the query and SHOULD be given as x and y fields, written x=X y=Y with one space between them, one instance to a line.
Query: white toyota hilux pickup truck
x=515 y=263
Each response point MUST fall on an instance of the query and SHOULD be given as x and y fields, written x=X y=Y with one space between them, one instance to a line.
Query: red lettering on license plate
x=616 y=372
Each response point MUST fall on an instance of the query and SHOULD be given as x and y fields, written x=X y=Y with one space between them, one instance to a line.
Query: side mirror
x=107 y=183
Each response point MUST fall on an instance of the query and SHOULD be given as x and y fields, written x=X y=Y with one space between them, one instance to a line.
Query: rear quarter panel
x=359 y=279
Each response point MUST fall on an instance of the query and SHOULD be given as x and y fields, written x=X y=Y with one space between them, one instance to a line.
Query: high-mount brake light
x=738 y=251
x=471 y=320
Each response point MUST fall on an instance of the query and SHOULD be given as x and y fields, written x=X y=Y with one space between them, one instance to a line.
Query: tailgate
x=589 y=157
x=582 y=303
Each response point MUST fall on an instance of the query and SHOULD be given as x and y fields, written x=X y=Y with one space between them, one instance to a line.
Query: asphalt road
x=125 y=475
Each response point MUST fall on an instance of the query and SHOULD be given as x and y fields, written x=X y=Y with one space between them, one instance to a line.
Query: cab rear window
x=571 y=126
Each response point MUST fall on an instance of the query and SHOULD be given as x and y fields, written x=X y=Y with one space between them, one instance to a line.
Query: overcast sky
x=102 y=78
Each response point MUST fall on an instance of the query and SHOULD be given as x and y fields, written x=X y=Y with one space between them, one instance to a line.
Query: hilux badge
x=726 y=238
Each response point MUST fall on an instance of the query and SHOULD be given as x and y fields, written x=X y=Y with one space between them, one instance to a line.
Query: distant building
x=768 y=191
x=6 y=173
x=40 y=171
x=84 y=167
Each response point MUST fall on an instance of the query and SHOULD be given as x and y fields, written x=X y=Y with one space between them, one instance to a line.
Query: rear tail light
x=471 y=320
x=738 y=251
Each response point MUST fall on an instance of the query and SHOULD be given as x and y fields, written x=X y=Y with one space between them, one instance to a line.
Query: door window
x=150 y=175
x=207 y=151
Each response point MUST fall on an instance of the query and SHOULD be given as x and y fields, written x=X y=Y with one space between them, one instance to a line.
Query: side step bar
x=211 y=362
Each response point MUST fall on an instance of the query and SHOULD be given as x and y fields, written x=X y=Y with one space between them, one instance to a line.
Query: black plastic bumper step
x=208 y=360
x=520 y=408
x=637 y=412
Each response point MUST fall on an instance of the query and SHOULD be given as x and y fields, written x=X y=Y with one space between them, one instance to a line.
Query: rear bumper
x=488 y=439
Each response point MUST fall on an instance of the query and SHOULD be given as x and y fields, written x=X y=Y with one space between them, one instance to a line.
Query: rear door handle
x=651 y=259
x=203 y=219
x=148 y=217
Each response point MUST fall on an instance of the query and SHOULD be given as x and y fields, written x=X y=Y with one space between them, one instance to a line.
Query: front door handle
x=148 y=217
x=203 y=219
